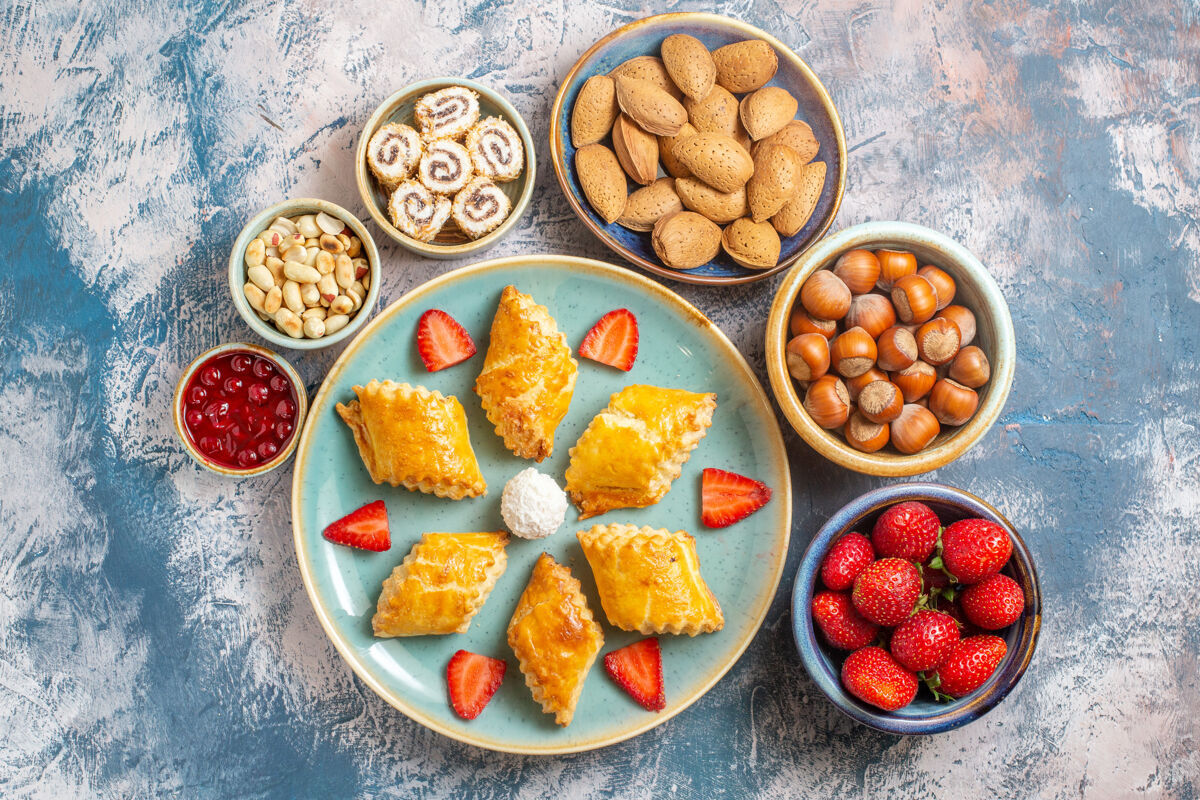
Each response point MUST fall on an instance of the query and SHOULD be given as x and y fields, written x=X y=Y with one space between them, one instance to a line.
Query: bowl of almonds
x=890 y=349
x=304 y=274
x=699 y=148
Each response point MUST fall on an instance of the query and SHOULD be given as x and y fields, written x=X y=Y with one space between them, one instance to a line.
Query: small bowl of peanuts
x=304 y=274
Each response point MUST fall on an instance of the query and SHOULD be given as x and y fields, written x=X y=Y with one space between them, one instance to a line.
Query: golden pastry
x=441 y=584
x=409 y=436
x=649 y=580
x=633 y=449
x=555 y=638
x=528 y=376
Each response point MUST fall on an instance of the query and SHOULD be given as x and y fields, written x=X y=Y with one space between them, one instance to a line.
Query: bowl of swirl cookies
x=699 y=148
x=445 y=167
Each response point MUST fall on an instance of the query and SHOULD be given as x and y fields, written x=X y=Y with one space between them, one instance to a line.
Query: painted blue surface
x=154 y=637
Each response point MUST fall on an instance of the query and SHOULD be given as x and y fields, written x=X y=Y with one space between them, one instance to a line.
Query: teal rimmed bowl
x=679 y=348
x=924 y=715
x=644 y=37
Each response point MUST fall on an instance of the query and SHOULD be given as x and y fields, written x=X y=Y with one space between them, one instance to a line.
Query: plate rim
x=576 y=264
x=557 y=135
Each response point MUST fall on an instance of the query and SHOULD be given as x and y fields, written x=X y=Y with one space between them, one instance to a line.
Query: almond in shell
x=796 y=135
x=795 y=213
x=745 y=66
x=685 y=240
x=754 y=245
x=647 y=68
x=720 y=207
x=602 y=180
x=665 y=146
x=717 y=112
x=636 y=150
x=595 y=111
x=653 y=109
x=649 y=204
x=766 y=111
x=689 y=64
x=716 y=159
x=774 y=182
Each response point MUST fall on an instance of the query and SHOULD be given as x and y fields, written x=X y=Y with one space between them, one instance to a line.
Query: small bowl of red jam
x=239 y=409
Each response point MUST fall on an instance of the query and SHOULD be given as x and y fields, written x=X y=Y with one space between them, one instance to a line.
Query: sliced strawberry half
x=637 y=668
x=441 y=341
x=727 y=497
x=366 y=528
x=472 y=679
x=613 y=340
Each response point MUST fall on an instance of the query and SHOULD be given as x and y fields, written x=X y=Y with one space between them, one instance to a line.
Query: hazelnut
x=943 y=284
x=915 y=299
x=856 y=385
x=897 y=349
x=894 y=265
x=827 y=402
x=964 y=319
x=825 y=296
x=880 y=401
x=858 y=269
x=938 y=341
x=970 y=367
x=915 y=381
x=852 y=353
x=864 y=435
x=808 y=356
x=914 y=429
x=871 y=312
x=952 y=403
x=803 y=322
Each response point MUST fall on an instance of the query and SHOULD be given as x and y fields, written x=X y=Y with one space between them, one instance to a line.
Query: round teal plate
x=679 y=348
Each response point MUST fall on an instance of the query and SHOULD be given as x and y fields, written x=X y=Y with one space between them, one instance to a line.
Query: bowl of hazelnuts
x=890 y=349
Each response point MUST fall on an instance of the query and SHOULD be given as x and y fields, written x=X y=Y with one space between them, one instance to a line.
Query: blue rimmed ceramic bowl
x=644 y=37
x=924 y=715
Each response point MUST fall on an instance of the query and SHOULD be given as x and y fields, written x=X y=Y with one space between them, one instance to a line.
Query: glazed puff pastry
x=649 y=580
x=441 y=584
x=633 y=449
x=409 y=436
x=555 y=638
x=528 y=376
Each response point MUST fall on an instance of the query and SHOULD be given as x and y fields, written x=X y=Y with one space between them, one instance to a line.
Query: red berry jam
x=239 y=410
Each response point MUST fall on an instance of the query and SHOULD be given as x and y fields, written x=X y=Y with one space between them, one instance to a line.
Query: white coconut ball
x=532 y=505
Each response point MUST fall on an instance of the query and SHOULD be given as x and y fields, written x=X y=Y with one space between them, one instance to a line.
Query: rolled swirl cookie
x=480 y=207
x=418 y=212
x=393 y=154
x=447 y=113
x=446 y=167
x=496 y=150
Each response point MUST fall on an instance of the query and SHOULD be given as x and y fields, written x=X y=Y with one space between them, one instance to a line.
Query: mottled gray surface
x=154 y=635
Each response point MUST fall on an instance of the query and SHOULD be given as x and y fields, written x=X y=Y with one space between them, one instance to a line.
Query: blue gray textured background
x=154 y=635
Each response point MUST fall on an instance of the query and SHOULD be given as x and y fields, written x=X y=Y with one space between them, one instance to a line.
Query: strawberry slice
x=472 y=679
x=366 y=528
x=441 y=341
x=613 y=340
x=637 y=668
x=727 y=497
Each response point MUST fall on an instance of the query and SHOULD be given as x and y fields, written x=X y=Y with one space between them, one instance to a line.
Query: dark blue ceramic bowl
x=644 y=37
x=924 y=715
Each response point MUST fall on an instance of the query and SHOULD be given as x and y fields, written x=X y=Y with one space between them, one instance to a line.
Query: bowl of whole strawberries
x=890 y=348
x=916 y=608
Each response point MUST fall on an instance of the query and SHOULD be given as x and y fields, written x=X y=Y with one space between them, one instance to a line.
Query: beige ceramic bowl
x=975 y=289
x=451 y=242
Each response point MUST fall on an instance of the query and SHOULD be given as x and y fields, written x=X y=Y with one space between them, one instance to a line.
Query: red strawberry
x=441 y=341
x=849 y=556
x=906 y=530
x=843 y=627
x=726 y=497
x=994 y=602
x=970 y=662
x=366 y=528
x=613 y=340
x=472 y=680
x=873 y=676
x=638 y=670
x=973 y=549
x=924 y=639
x=886 y=592
x=954 y=609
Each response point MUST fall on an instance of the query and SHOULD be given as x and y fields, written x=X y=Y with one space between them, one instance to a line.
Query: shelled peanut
x=307 y=274
x=882 y=353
